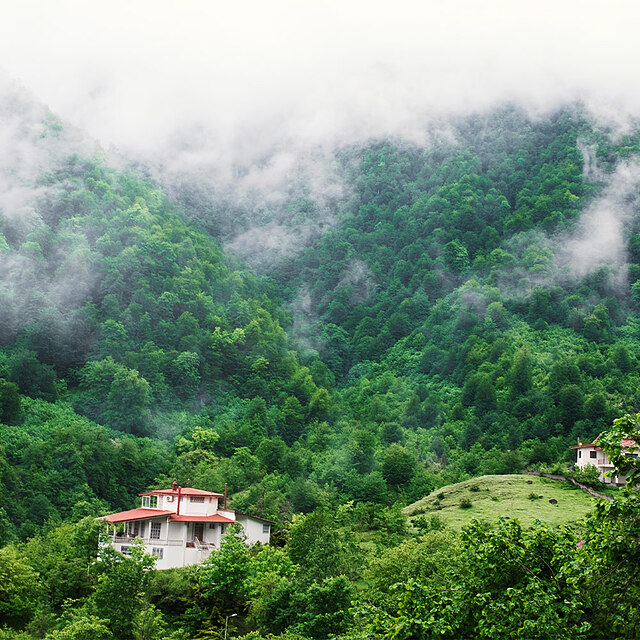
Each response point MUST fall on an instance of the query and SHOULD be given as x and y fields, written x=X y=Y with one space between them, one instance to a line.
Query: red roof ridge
x=625 y=442
x=185 y=491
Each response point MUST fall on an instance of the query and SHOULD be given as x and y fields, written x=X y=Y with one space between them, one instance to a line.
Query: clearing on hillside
x=525 y=497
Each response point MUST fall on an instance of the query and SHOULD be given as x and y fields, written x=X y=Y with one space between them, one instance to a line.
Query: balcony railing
x=157 y=542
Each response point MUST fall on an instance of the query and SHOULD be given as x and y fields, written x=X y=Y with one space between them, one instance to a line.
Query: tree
x=128 y=402
x=315 y=544
x=521 y=373
x=456 y=257
x=398 y=465
x=83 y=627
x=504 y=582
x=10 y=404
x=118 y=575
x=20 y=589
x=223 y=575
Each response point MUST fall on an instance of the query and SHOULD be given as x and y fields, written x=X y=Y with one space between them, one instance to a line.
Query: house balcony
x=157 y=542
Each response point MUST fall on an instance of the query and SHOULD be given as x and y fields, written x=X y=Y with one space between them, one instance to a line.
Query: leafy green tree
x=118 y=575
x=223 y=575
x=521 y=373
x=316 y=544
x=10 y=404
x=456 y=257
x=398 y=465
x=83 y=627
x=128 y=402
x=20 y=588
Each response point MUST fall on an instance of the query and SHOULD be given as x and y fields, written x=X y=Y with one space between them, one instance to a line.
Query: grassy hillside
x=510 y=496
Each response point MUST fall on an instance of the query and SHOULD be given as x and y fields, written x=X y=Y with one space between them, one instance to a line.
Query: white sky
x=146 y=75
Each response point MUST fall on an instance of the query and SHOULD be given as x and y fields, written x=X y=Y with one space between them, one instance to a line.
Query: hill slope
x=509 y=496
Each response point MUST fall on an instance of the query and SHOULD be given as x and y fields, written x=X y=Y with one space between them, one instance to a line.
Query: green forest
x=457 y=318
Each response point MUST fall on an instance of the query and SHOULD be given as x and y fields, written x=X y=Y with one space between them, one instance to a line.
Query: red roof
x=185 y=491
x=248 y=515
x=136 y=514
x=625 y=442
x=214 y=518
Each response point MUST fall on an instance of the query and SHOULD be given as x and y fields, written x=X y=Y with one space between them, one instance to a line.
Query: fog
x=212 y=85
x=245 y=103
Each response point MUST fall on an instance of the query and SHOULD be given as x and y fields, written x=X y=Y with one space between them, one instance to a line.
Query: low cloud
x=600 y=238
x=209 y=87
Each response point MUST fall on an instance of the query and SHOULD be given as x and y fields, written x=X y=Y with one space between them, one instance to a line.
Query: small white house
x=593 y=454
x=181 y=525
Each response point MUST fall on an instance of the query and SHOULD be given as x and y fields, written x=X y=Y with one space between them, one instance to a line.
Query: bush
x=424 y=524
x=465 y=503
x=474 y=488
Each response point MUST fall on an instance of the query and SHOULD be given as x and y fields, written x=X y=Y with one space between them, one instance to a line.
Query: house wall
x=600 y=461
x=583 y=457
x=254 y=530
x=189 y=508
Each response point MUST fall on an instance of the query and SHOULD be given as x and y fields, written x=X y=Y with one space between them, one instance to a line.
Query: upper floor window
x=265 y=528
x=150 y=501
x=593 y=454
x=197 y=498
x=155 y=530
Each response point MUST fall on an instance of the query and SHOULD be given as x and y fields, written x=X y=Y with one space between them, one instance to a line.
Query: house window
x=150 y=502
x=593 y=454
x=197 y=499
x=155 y=530
x=265 y=528
x=136 y=529
x=212 y=525
x=157 y=551
x=125 y=549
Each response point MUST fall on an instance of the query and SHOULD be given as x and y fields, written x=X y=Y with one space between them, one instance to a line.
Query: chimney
x=225 y=496
x=178 y=507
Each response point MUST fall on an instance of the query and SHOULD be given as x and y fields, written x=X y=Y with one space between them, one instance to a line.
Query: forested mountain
x=468 y=308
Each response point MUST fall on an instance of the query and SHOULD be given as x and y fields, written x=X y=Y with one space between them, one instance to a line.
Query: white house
x=181 y=525
x=593 y=454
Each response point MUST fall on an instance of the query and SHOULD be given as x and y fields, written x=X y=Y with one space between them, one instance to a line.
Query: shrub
x=424 y=524
x=465 y=503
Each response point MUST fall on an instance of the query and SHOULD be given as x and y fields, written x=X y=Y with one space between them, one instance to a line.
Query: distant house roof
x=248 y=515
x=135 y=514
x=216 y=517
x=185 y=491
x=625 y=442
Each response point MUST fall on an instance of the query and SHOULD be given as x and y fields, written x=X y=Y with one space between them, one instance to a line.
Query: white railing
x=201 y=546
x=156 y=542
